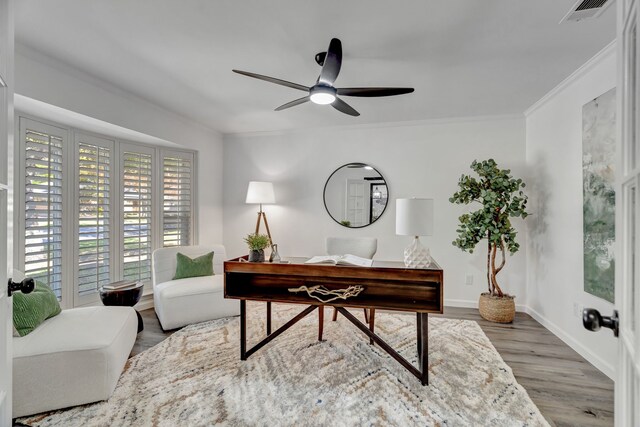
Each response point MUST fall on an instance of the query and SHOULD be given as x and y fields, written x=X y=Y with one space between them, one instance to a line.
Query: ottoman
x=71 y=359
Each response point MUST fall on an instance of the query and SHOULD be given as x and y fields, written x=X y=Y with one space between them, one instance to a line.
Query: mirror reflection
x=356 y=195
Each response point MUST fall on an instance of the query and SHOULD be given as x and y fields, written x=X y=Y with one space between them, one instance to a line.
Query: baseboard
x=583 y=351
x=464 y=303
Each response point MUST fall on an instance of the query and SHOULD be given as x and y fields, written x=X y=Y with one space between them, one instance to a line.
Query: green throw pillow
x=196 y=267
x=30 y=310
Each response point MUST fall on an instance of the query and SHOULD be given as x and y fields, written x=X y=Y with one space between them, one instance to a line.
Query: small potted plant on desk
x=501 y=198
x=257 y=243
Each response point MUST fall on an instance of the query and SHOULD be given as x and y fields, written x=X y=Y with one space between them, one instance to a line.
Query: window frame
x=153 y=152
x=44 y=126
x=70 y=296
x=114 y=261
x=192 y=157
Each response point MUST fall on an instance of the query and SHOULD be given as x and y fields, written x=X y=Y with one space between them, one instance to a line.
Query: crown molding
x=607 y=51
x=381 y=125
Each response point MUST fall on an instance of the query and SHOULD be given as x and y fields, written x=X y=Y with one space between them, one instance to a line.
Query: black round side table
x=127 y=297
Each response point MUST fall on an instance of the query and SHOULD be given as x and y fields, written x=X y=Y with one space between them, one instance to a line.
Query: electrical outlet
x=469 y=281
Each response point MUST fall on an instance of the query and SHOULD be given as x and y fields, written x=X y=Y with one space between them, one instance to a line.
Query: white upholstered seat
x=197 y=299
x=71 y=359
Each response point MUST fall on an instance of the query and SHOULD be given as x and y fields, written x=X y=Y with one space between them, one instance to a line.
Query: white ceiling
x=464 y=57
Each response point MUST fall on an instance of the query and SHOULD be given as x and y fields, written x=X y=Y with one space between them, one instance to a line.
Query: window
x=93 y=175
x=137 y=168
x=95 y=208
x=177 y=203
x=43 y=203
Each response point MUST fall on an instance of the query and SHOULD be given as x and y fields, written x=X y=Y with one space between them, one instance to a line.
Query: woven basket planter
x=496 y=309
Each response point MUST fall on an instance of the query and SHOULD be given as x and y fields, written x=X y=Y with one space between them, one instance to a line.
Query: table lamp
x=261 y=193
x=414 y=217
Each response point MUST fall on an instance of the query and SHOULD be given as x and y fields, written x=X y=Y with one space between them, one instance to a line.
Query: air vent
x=586 y=9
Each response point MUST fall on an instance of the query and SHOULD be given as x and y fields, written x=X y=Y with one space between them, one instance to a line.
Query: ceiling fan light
x=322 y=95
x=322 y=98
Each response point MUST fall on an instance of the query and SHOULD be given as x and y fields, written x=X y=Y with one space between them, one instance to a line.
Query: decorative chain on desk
x=318 y=292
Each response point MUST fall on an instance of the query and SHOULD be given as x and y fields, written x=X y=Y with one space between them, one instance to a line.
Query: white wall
x=417 y=159
x=44 y=79
x=555 y=246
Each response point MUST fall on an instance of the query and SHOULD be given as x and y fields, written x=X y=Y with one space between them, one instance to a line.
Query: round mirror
x=355 y=195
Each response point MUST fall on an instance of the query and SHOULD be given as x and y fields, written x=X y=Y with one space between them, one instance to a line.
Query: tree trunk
x=489 y=265
x=494 y=271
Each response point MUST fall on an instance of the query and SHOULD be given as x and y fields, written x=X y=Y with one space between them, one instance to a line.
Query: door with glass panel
x=628 y=191
x=625 y=321
x=6 y=321
x=627 y=412
x=357 y=202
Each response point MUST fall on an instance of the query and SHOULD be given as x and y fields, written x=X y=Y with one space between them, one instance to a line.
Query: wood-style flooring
x=568 y=390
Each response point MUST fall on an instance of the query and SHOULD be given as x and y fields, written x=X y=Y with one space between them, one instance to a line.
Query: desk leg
x=424 y=347
x=418 y=330
x=320 y=321
x=372 y=321
x=268 y=317
x=243 y=329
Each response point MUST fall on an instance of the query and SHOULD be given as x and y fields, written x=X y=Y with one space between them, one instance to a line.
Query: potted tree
x=257 y=243
x=501 y=198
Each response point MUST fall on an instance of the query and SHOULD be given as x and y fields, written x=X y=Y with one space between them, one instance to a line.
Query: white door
x=6 y=304
x=357 y=203
x=627 y=411
x=6 y=322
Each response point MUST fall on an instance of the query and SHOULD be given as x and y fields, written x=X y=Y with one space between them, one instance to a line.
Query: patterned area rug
x=196 y=378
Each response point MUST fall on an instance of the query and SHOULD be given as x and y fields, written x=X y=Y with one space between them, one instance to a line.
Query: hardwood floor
x=568 y=390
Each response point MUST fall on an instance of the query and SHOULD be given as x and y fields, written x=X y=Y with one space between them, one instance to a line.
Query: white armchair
x=196 y=299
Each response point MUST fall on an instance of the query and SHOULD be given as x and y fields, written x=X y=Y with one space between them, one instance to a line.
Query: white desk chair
x=364 y=247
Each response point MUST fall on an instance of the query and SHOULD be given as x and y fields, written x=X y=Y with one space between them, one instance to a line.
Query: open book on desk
x=346 y=259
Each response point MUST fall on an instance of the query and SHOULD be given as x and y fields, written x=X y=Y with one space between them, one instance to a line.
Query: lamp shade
x=414 y=217
x=260 y=192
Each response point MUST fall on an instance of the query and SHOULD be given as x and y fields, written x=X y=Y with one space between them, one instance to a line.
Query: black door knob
x=26 y=286
x=593 y=321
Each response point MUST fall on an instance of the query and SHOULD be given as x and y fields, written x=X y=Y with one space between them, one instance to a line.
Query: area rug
x=196 y=378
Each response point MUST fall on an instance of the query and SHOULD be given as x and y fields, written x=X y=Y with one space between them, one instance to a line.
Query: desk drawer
x=389 y=294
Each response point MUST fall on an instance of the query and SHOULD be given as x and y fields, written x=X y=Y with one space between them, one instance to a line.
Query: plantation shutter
x=177 y=201
x=94 y=197
x=137 y=171
x=43 y=160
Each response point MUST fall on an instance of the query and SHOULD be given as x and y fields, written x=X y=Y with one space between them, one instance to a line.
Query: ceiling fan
x=323 y=92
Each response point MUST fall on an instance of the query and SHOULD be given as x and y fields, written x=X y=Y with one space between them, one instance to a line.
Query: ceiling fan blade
x=332 y=63
x=273 y=80
x=293 y=103
x=374 y=91
x=343 y=107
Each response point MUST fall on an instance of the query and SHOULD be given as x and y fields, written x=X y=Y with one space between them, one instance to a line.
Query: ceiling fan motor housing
x=322 y=94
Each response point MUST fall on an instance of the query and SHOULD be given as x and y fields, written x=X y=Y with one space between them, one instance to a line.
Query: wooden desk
x=386 y=286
